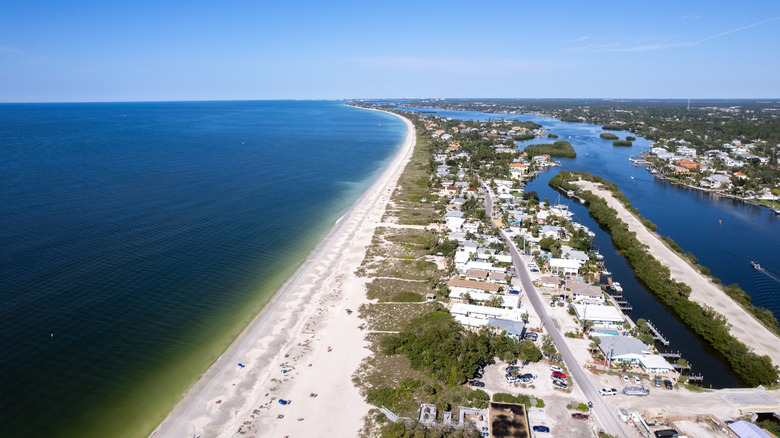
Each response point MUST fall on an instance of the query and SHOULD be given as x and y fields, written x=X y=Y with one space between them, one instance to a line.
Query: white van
x=623 y=415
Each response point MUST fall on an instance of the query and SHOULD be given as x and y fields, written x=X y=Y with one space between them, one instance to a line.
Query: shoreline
x=743 y=326
x=305 y=331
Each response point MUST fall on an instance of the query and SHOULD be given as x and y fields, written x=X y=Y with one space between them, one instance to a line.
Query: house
x=507 y=301
x=582 y=292
x=448 y=190
x=574 y=254
x=485 y=266
x=603 y=316
x=463 y=286
x=688 y=164
x=685 y=150
x=564 y=266
x=715 y=181
x=631 y=351
x=476 y=275
x=474 y=316
x=550 y=282
x=512 y=328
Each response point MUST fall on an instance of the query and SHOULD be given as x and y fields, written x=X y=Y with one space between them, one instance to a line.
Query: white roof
x=485 y=266
x=594 y=312
x=565 y=263
x=655 y=361
x=511 y=301
x=485 y=312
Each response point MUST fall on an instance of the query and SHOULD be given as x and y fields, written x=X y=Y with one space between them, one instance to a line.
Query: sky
x=105 y=50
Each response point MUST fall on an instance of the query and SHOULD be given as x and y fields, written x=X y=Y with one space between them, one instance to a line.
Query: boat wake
x=764 y=271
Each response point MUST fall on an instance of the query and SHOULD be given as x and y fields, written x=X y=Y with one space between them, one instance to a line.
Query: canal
x=724 y=234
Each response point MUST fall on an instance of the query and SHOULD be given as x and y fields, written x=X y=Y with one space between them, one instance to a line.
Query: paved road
x=608 y=419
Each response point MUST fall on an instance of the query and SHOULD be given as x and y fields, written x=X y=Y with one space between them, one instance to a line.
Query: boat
x=616 y=287
x=755 y=266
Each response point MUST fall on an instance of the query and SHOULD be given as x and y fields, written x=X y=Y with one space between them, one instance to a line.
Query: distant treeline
x=752 y=369
x=560 y=148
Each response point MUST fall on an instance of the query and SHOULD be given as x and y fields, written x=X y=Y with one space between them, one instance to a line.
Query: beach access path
x=303 y=347
x=703 y=291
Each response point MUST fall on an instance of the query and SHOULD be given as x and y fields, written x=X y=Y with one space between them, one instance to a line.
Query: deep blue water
x=137 y=239
x=744 y=233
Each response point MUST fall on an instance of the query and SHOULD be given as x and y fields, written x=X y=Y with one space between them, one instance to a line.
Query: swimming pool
x=608 y=332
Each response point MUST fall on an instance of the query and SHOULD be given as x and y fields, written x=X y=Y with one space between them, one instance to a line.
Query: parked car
x=657 y=382
x=527 y=376
x=608 y=391
x=556 y=368
x=534 y=270
x=511 y=368
x=540 y=429
x=668 y=384
x=625 y=378
x=477 y=383
x=636 y=380
x=532 y=336
x=579 y=416
x=560 y=383
x=510 y=378
x=558 y=374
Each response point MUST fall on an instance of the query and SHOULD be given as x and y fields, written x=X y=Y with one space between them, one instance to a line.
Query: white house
x=565 y=266
x=630 y=351
x=604 y=316
x=507 y=301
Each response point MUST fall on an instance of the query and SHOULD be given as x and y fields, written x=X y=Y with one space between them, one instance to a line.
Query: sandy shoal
x=304 y=331
x=743 y=325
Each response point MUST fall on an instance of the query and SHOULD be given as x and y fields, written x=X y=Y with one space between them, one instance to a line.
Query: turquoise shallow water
x=139 y=238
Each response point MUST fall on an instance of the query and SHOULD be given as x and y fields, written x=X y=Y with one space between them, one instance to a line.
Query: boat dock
x=657 y=335
x=639 y=161
x=671 y=355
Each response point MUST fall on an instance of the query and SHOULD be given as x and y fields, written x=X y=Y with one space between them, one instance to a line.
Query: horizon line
x=726 y=99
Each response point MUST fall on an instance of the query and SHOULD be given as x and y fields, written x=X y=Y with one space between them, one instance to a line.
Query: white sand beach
x=302 y=343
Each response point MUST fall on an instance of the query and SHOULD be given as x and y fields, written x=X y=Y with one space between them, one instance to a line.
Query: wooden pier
x=671 y=355
x=698 y=378
x=657 y=335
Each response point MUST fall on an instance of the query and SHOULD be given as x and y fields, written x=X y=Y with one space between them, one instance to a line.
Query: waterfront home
x=564 y=266
x=582 y=292
x=601 y=316
x=631 y=351
x=574 y=254
x=715 y=181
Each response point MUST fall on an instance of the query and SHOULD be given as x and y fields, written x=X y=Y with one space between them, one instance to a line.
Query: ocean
x=139 y=239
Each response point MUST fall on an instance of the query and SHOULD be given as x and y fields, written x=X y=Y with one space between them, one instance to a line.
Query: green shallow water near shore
x=145 y=237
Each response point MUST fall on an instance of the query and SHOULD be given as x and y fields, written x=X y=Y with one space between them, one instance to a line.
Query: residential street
x=600 y=410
